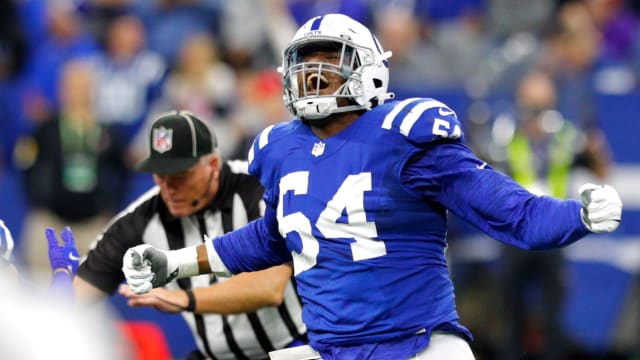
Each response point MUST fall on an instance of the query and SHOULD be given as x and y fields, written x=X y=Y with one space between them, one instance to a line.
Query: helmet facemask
x=305 y=82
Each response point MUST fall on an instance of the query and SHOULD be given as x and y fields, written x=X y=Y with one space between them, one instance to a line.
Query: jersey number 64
x=348 y=199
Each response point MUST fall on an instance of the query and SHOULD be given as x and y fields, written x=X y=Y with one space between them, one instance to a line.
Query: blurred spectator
x=428 y=55
x=129 y=76
x=462 y=43
x=573 y=63
x=254 y=32
x=171 y=22
x=303 y=10
x=568 y=53
x=77 y=174
x=618 y=26
x=507 y=17
x=260 y=105
x=66 y=39
x=14 y=50
x=442 y=11
x=619 y=54
x=200 y=83
x=14 y=54
x=414 y=63
x=541 y=153
x=101 y=13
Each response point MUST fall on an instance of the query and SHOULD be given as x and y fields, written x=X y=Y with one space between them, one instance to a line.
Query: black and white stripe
x=242 y=336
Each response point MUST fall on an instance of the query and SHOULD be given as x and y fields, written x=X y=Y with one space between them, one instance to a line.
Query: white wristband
x=215 y=262
x=187 y=261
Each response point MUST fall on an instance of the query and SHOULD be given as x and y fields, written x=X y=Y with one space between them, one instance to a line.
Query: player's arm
x=255 y=246
x=242 y=293
x=449 y=173
x=63 y=258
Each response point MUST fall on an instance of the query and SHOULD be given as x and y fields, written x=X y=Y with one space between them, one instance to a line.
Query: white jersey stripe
x=263 y=140
x=388 y=120
x=238 y=166
x=264 y=137
x=415 y=113
x=250 y=154
x=278 y=334
x=129 y=209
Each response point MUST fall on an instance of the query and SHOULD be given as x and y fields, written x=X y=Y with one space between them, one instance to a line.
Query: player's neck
x=333 y=125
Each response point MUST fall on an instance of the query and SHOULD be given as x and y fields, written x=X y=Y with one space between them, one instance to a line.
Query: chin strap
x=382 y=98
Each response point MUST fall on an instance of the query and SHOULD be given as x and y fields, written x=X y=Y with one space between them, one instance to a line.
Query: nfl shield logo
x=318 y=149
x=162 y=139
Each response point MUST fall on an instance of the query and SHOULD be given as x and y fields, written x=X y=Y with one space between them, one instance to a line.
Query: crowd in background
x=80 y=81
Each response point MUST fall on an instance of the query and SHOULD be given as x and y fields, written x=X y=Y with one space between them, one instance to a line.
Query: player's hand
x=169 y=301
x=601 y=208
x=146 y=267
x=62 y=256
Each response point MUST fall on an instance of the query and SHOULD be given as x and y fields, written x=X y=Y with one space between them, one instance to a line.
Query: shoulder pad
x=269 y=136
x=423 y=120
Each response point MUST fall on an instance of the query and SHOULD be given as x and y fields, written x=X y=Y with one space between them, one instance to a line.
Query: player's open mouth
x=317 y=81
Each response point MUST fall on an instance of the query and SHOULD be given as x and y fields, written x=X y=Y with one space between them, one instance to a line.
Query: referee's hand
x=169 y=301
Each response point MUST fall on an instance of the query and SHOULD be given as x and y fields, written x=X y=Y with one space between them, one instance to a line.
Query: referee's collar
x=224 y=197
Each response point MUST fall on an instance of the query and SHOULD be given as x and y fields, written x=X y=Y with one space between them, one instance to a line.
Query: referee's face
x=187 y=192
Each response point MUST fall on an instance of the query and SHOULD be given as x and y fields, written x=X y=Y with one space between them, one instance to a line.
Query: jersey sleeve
x=265 y=157
x=255 y=246
x=423 y=121
x=260 y=168
x=450 y=174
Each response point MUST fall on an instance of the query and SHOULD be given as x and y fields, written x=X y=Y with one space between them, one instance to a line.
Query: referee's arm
x=242 y=293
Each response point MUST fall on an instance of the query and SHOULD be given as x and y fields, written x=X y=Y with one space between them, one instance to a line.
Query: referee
x=198 y=196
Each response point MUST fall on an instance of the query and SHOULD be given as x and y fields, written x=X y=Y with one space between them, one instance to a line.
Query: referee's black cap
x=176 y=141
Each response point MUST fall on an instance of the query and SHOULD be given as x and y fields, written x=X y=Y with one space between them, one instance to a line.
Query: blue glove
x=63 y=256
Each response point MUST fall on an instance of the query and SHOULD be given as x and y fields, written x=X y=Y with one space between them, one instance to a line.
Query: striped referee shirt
x=147 y=220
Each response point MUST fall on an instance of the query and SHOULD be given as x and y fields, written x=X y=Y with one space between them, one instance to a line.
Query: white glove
x=145 y=268
x=601 y=208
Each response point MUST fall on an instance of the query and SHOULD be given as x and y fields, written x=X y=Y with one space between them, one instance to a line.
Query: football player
x=357 y=191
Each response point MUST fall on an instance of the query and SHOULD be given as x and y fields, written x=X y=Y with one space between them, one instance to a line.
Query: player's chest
x=355 y=175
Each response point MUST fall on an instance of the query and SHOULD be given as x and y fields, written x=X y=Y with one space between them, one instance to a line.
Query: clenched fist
x=601 y=208
x=146 y=267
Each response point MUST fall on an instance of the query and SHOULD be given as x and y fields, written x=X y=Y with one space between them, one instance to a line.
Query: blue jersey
x=362 y=215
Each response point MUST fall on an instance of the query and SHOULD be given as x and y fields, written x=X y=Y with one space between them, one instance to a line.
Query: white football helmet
x=362 y=64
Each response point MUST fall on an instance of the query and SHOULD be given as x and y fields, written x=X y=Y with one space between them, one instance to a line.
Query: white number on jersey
x=441 y=128
x=350 y=199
